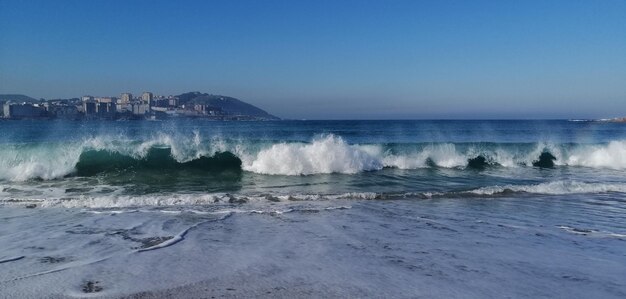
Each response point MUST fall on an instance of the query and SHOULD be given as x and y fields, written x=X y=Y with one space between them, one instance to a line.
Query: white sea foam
x=612 y=156
x=116 y=201
x=325 y=155
x=331 y=154
x=554 y=188
x=133 y=201
x=20 y=162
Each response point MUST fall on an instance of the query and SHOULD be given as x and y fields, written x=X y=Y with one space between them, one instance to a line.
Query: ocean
x=394 y=208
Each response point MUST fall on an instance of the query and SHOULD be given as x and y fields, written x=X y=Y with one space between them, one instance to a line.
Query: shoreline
x=446 y=248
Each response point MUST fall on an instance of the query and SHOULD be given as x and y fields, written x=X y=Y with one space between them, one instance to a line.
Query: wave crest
x=329 y=154
x=325 y=154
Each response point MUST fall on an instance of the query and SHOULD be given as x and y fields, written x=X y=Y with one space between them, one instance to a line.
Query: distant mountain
x=17 y=98
x=228 y=105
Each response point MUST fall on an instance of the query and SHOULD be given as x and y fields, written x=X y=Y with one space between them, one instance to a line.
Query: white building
x=126 y=98
x=147 y=97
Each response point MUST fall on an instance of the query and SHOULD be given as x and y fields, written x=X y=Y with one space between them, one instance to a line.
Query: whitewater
x=323 y=154
x=444 y=209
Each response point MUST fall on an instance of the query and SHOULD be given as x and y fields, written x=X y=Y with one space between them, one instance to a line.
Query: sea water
x=313 y=208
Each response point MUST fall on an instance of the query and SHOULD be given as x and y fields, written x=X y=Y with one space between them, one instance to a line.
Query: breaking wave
x=331 y=154
x=325 y=154
x=94 y=162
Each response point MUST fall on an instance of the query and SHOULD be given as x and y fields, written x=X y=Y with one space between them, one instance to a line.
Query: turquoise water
x=47 y=161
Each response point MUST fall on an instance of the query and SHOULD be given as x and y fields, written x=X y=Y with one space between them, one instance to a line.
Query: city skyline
x=329 y=60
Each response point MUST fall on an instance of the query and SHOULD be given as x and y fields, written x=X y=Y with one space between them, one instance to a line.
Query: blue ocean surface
x=298 y=158
x=435 y=208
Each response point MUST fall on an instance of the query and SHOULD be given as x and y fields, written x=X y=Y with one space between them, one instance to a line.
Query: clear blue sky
x=329 y=59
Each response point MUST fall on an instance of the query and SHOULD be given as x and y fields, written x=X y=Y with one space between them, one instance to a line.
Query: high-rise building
x=89 y=107
x=106 y=99
x=106 y=109
x=126 y=98
x=139 y=108
x=147 y=97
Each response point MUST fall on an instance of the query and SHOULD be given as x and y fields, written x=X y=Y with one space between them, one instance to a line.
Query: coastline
x=402 y=209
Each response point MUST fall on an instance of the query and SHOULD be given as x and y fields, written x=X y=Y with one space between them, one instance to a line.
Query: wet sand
x=376 y=249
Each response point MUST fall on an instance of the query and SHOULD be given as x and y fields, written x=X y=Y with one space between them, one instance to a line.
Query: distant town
x=128 y=106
